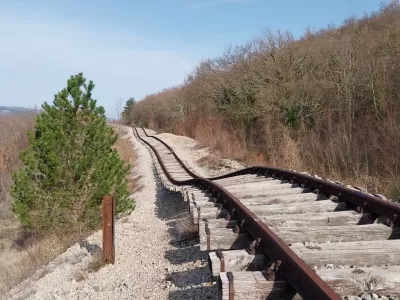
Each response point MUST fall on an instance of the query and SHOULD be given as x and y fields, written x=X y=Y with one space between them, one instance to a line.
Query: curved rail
x=303 y=279
x=365 y=202
x=300 y=276
x=172 y=152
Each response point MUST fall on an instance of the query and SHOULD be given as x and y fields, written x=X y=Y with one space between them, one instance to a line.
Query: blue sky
x=134 y=48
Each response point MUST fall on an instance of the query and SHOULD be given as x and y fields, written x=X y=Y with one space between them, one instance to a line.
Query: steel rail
x=365 y=202
x=356 y=198
x=173 y=153
x=303 y=279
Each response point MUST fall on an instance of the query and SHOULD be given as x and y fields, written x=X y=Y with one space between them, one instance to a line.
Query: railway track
x=277 y=234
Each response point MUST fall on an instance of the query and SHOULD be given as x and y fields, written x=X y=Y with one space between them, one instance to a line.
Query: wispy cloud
x=211 y=3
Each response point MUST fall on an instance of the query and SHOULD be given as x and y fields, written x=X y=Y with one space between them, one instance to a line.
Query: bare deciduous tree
x=118 y=107
x=326 y=103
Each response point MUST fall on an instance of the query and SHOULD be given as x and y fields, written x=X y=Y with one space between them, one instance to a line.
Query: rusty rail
x=303 y=279
x=365 y=202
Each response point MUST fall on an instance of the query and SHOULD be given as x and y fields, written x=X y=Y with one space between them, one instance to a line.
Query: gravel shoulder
x=151 y=262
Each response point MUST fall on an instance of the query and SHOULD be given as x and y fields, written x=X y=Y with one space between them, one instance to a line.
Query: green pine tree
x=70 y=165
x=127 y=112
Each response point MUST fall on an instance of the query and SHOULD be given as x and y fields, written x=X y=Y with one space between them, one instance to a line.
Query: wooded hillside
x=327 y=103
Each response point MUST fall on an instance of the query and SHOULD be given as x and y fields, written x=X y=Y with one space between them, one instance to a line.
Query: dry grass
x=127 y=153
x=8 y=232
x=211 y=161
x=80 y=276
x=18 y=263
x=13 y=140
x=94 y=265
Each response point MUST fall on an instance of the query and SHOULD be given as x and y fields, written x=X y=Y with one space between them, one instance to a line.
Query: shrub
x=69 y=165
x=328 y=103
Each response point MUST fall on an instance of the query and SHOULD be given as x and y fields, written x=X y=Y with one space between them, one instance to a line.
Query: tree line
x=328 y=102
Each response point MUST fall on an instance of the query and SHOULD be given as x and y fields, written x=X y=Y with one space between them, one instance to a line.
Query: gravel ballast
x=151 y=261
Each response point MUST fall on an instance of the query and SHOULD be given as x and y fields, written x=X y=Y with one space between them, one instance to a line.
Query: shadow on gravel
x=169 y=205
x=182 y=255
x=171 y=208
x=91 y=248
x=189 y=277
x=198 y=293
x=192 y=283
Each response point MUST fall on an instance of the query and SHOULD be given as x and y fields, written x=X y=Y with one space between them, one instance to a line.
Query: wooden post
x=108 y=230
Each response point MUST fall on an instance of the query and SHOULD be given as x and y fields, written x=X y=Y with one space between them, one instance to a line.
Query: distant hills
x=14 y=110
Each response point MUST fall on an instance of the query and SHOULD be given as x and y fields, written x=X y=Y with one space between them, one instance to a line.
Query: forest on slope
x=327 y=103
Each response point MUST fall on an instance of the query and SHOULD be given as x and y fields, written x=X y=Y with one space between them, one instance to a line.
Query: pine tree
x=127 y=112
x=70 y=164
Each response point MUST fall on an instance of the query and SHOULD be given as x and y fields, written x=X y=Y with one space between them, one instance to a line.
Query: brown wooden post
x=108 y=230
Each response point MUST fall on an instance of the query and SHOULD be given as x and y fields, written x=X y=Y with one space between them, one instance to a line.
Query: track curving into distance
x=279 y=233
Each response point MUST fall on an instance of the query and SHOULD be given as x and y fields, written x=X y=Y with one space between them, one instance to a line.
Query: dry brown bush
x=328 y=103
x=13 y=140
